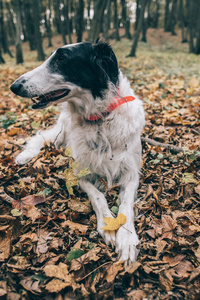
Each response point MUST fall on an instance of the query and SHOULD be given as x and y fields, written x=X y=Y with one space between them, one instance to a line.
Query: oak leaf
x=114 y=223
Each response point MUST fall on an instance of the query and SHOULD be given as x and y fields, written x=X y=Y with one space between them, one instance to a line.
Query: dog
x=101 y=119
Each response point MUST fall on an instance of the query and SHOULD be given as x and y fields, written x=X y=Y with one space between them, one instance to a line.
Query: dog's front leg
x=100 y=206
x=35 y=144
x=126 y=237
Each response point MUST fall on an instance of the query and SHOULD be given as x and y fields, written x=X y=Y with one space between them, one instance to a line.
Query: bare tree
x=19 y=54
x=99 y=7
x=139 y=27
x=38 y=36
x=80 y=20
x=116 y=20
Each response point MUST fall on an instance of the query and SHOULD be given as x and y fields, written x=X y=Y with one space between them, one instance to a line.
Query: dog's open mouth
x=43 y=100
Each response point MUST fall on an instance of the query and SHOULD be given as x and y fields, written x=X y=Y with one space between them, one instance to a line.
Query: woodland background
x=49 y=247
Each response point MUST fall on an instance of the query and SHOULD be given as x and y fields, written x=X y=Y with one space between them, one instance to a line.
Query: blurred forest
x=31 y=20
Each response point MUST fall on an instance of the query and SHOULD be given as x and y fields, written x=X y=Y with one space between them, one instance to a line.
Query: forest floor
x=49 y=247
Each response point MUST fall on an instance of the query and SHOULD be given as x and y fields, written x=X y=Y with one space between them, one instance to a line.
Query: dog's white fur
x=110 y=148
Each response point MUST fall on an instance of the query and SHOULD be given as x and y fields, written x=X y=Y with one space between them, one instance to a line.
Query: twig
x=155 y=143
x=6 y=198
x=108 y=262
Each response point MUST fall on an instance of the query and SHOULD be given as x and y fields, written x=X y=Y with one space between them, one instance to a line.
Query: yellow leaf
x=188 y=178
x=114 y=224
x=68 y=151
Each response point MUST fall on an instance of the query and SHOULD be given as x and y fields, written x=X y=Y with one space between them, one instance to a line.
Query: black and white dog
x=101 y=119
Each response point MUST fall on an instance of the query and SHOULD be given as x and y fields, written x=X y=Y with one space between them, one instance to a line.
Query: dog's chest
x=100 y=147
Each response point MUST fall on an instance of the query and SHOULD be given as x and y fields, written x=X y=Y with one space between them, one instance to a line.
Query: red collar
x=112 y=106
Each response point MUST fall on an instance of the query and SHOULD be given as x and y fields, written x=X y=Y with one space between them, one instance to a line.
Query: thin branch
x=108 y=262
x=6 y=198
x=155 y=143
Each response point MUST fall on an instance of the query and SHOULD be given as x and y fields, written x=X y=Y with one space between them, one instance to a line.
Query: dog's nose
x=16 y=87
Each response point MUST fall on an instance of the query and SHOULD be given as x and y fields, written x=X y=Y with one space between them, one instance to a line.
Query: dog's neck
x=116 y=103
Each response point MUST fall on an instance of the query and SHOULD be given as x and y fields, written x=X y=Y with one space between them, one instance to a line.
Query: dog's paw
x=108 y=236
x=126 y=242
x=25 y=156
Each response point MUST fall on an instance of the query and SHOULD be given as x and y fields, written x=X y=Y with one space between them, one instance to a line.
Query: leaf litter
x=49 y=246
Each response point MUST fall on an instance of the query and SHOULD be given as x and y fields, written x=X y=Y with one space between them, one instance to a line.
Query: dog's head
x=89 y=66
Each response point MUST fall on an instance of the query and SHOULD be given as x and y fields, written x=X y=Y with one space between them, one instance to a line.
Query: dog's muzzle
x=40 y=100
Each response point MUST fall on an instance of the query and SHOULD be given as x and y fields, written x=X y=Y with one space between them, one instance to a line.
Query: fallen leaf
x=113 y=270
x=5 y=244
x=166 y=280
x=75 y=227
x=56 y=285
x=91 y=255
x=58 y=271
x=136 y=295
x=28 y=200
x=188 y=178
x=114 y=223
x=83 y=207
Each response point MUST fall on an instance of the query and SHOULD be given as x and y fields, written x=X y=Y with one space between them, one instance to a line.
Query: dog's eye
x=60 y=54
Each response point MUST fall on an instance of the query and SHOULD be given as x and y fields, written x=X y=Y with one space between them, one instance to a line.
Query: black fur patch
x=87 y=65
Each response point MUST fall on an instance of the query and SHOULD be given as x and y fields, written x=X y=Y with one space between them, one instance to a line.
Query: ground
x=49 y=247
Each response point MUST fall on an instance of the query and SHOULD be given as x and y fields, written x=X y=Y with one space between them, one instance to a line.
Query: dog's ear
x=105 y=61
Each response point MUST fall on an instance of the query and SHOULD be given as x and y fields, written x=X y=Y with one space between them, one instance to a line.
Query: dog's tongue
x=43 y=100
x=52 y=96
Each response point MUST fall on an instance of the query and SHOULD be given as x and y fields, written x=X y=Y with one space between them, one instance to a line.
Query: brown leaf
x=183 y=269
x=5 y=244
x=91 y=255
x=168 y=226
x=173 y=261
x=79 y=206
x=32 y=212
x=30 y=285
x=130 y=269
x=28 y=200
x=75 y=227
x=56 y=285
x=12 y=131
x=113 y=270
x=194 y=274
x=166 y=280
x=58 y=271
x=136 y=295
x=42 y=245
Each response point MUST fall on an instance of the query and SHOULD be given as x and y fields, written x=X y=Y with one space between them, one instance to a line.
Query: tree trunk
x=99 y=7
x=2 y=61
x=197 y=48
x=116 y=26
x=18 y=45
x=80 y=20
x=10 y=18
x=106 y=22
x=38 y=36
x=3 y=31
x=173 y=17
x=137 y=13
x=156 y=19
x=125 y=19
x=29 y=25
x=139 y=27
x=48 y=22
x=145 y=23
x=182 y=21
x=68 y=30
x=191 y=26
x=167 y=16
